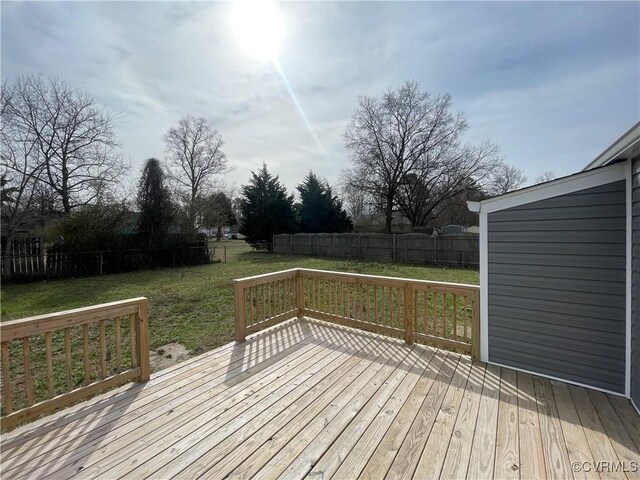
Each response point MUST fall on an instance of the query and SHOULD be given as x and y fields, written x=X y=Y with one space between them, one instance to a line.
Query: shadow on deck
x=310 y=398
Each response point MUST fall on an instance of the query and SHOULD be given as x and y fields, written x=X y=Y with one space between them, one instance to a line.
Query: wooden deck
x=309 y=399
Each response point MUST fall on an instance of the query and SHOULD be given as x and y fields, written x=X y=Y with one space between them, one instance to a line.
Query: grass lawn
x=193 y=305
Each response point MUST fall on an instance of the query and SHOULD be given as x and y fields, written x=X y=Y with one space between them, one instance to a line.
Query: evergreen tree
x=266 y=209
x=154 y=203
x=321 y=211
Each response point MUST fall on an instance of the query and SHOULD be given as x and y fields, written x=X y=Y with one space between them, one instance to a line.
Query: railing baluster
x=444 y=315
x=367 y=290
x=408 y=313
x=103 y=350
x=85 y=353
x=259 y=305
x=67 y=356
x=466 y=315
x=415 y=315
x=375 y=304
x=276 y=309
x=118 y=344
x=6 y=378
x=274 y=301
x=434 y=311
x=132 y=335
x=455 y=317
x=28 y=380
x=49 y=354
x=264 y=303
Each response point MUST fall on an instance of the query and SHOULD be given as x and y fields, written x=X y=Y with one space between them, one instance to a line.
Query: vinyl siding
x=635 y=284
x=557 y=271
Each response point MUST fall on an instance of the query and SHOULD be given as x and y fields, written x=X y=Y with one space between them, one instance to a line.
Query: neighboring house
x=560 y=274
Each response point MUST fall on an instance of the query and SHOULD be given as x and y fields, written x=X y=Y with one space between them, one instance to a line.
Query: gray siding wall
x=556 y=287
x=635 y=284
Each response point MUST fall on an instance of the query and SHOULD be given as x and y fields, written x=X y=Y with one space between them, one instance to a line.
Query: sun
x=259 y=28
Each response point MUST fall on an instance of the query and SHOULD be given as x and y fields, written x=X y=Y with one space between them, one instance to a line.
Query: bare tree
x=389 y=136
x=546 y=177
x=504 y=179
x=195 y=158
x=76 y=147
x=21 y=170
x=356 y=201
x=441 y=175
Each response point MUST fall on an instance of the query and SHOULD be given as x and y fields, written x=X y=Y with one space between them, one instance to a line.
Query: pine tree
x=266 y=209
x=321 y=211
x=154 y=203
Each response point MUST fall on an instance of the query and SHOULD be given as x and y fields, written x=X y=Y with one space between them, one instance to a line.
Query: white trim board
x=555 y=188
x=629 y=272
x=484 y=287
x=563 y=380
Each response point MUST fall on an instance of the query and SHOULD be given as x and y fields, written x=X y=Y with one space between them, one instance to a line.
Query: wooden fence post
x=393 y=251
x=241 y=321
x=435 y=249
x=408 y=314
x=142 y=340
x=475 y=327
x=299 y=294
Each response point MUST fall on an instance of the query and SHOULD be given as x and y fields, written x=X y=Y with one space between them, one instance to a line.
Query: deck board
x=507 y=457
x=306 y=399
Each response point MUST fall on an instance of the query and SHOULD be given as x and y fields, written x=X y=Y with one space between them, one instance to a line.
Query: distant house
x=560 y=274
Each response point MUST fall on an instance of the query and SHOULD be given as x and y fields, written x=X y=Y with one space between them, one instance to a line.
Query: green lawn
x=193 y=305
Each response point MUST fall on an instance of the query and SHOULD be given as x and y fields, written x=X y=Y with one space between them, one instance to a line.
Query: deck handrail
x=57 y=330
x=440 y=313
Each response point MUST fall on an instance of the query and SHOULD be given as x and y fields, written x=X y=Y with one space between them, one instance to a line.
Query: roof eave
x=625 y=147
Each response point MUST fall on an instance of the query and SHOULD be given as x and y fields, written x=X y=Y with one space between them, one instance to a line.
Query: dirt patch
x=167 y=355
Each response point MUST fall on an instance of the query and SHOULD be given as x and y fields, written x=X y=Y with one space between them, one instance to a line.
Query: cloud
x=551 y=83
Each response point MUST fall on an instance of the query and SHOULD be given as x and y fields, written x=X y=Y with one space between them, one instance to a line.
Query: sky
x=551 y=83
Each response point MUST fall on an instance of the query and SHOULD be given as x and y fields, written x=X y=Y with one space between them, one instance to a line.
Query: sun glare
x=259 y=28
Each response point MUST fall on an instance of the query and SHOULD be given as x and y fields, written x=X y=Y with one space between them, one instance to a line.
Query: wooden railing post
x=475 y=327
x=240 y=311
x=142 y=340
x=408 y=313
x=299 y=294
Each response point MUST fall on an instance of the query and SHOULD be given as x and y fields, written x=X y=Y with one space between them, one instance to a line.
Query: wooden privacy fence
x=51 y=361
x=452 y=250
x=438 y=313
x=56 y=264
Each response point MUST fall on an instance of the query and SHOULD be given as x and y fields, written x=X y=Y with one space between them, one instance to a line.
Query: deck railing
x=51 y=361
x=438 y=313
